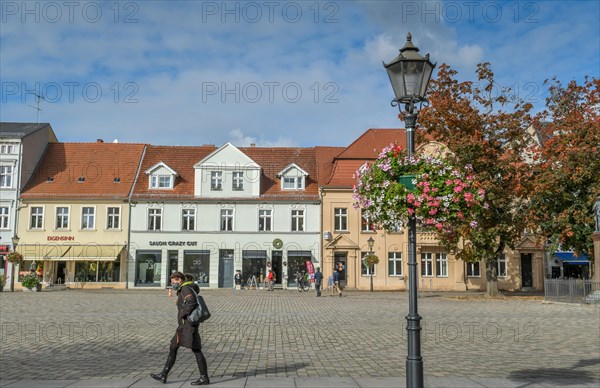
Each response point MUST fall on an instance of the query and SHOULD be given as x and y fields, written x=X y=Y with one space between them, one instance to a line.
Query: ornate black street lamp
x=15 y=241
x=409 y=75
x=371 y=242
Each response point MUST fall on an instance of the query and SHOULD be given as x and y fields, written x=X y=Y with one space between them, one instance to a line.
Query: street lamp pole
x=370 y=241
x=409 y=75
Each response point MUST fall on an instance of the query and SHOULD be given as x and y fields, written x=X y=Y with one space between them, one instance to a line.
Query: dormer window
x=161 y=182
x=293 y=183
x=81 y=179
x=293 y=177
x=117 y=180
x=160 y=177
x=50 y=179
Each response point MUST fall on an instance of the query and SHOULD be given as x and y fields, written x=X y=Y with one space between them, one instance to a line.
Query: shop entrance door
x=340 y=262
x=61 y=268
x=226 y=268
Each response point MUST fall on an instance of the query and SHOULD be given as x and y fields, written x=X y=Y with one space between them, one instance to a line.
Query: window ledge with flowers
x=444 y=199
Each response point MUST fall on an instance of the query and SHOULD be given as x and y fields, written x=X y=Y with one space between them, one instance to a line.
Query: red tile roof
x=58 y=172
x=366 y=147
x=272 y=160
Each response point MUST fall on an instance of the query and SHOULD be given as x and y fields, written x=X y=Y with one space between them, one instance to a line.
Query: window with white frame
x=473 y=269
x=293 y=182
x=441 y=265
x=216 y=180
x=502 y=266
x=365 y=224
x=88 y=217
x=340 y=219
x=366 y=269
x=37 y=218
x=188 y=221
x=297 y=220
x=395 y=263
x=6 y=175
x=237 y=181
x=7 y=149
x=154 y=219
x=62 y=217
x=4 y=217
x=427 y=264
x=265 y=219
x=227 y=220
x=113 y=218
x=161 y=181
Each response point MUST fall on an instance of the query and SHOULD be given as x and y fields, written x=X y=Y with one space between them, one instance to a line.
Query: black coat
x=187 y=335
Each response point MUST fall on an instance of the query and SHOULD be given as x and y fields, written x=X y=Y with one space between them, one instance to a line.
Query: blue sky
x=274 y=73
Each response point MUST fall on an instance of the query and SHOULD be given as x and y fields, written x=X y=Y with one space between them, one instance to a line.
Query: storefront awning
x=570 y=258
x=94 y=252
x=254 y=254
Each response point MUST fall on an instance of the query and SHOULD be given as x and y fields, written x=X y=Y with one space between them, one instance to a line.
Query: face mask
x=176 y=287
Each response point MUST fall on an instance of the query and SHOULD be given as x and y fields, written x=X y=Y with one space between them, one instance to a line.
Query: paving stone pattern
x=125 y=335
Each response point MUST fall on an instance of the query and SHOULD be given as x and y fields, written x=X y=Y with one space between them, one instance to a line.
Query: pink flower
x=458 y=189
x=468 y=197
x=430 y=221
x=410 y=210
x=438 y=225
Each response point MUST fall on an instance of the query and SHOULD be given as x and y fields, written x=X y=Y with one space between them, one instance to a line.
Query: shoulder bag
x=200 y=313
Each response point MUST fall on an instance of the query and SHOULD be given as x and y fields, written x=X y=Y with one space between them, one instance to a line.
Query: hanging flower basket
x=371 y=260
x=442 y=197
x=15 y=257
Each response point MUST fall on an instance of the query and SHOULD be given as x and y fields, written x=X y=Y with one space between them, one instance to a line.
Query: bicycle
x=302 y=282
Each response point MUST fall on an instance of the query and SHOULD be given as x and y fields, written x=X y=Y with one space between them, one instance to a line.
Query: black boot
x=203 y=380
x=162 y=377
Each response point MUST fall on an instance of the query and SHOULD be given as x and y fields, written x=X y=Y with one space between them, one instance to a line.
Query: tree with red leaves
x=567 y=165
x=489 y=132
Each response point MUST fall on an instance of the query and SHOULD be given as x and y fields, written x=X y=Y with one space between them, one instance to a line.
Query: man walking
x=336 y=282
x=318 y=281
x=186 y=335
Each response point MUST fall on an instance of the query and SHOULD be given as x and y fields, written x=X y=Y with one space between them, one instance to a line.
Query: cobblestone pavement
x=79 y=335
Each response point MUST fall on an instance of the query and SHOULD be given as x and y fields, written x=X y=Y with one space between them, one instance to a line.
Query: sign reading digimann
x=173 y=243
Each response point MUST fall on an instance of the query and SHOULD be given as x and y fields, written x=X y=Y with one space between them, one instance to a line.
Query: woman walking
x=186 y=335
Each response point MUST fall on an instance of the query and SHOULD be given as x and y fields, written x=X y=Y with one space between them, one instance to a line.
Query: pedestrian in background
x=238 y=280
x=336 y=282
x=318 y=281
x=270 y=281
x=186 y=334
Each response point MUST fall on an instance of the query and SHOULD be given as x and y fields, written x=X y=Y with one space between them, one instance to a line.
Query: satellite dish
x=116 y=141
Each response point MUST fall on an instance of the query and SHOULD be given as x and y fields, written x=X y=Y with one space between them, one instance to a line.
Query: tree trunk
x=491 y=272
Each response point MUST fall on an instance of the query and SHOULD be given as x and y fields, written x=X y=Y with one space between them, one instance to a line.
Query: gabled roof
x=178 y=158
x=228 y=146
x=271 y=160
x=289 y=167
x=370 y=143
x=161 y=164
x=366 y=148
x=20 y=130
x=99 y=164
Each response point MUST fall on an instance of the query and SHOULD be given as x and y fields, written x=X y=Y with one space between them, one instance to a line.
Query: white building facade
x=210 y=212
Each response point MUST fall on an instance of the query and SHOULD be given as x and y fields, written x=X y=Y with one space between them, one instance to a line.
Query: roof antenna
x=37 y=99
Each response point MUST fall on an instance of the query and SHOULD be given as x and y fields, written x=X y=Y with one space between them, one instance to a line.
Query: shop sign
x=61 y=238
x=173 y=243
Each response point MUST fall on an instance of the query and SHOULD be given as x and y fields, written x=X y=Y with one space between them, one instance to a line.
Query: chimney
x=252 y=145
x=99 y=141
